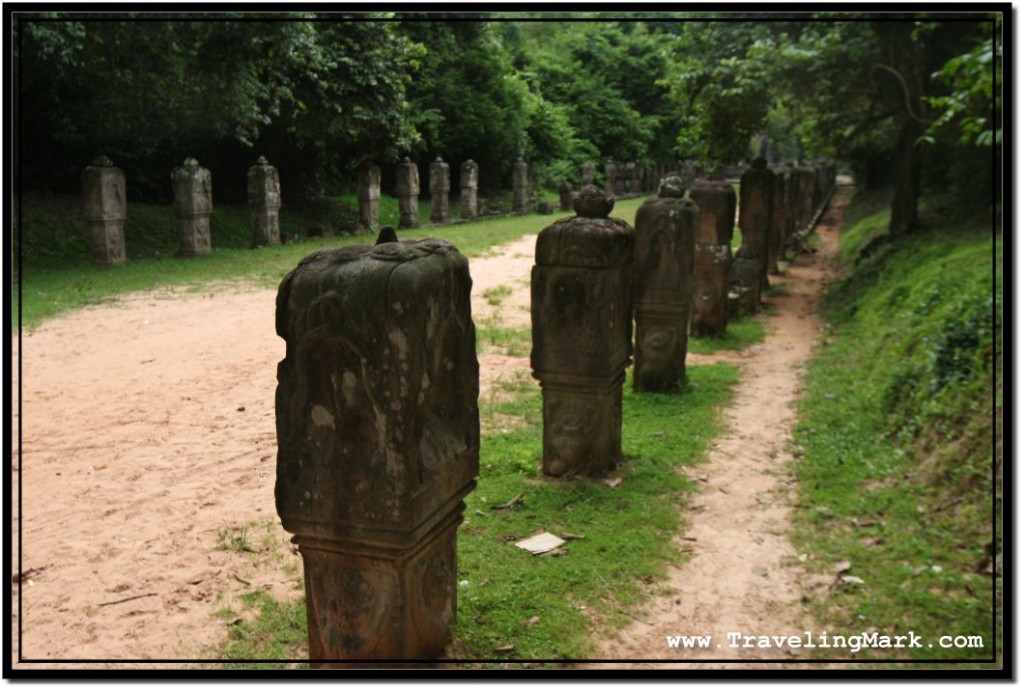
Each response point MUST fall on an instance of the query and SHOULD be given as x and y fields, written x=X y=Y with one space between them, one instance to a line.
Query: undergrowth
x=900 y=440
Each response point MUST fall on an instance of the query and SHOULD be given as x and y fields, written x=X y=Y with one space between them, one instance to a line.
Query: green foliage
x=898 y=446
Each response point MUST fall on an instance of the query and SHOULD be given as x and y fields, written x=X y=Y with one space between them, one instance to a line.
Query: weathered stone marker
x=368 y=192
x=581 y=313
x=193 y=206
x=469 y=181
x=407 y=188
x=440 y=185
x=105 y=208
x=378 y=436
x=757 y=193
x=520 y=186
x=611 y=179
x=663 y=286
x=565 y=196
x=264 y=194
x=710 y=310
x=587 y=171
x=780 y=210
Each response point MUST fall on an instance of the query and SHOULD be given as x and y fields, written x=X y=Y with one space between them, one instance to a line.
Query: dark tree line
x=902 y=100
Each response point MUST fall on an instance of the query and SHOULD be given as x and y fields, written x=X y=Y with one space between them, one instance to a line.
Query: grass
x=57 y=275
x=897 y=444
x=739 y=334
x=550 y=607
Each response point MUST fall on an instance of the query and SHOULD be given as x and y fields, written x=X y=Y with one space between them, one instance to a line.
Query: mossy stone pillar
x=193 y=206
x=565 y=194
x=378 y=443
x=780 y=211
x=662 y=286
x=408 y=192
x=581 y=313
x=105 y=209
x=469 y=182
x=757 y=193
x=520 y=186
x=440 y=185
x=264 y=194
x=716 y=199
x=368 y=192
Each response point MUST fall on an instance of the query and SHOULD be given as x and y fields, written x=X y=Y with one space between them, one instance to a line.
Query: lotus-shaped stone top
x=671 y=186
x=592 y=203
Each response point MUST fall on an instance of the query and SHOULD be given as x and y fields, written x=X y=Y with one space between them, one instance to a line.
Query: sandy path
x=148 y=443
x=743 y=574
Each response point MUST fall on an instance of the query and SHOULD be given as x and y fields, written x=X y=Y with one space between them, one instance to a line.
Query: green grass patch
x=57 y=275
x=273 y=630
x=739 y=334
x=896 y=442
x=551 y=607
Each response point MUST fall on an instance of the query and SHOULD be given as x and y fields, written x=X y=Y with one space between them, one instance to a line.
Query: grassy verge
x=514 y=606
x=899 y=453
x=60 y=278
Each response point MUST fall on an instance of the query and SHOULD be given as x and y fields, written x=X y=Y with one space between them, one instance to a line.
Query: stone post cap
x=592 y=203
x=102 y=161
x=671 y=186
x=580 y=241
x=759 y=163
x=438 y=160
x=262 y=161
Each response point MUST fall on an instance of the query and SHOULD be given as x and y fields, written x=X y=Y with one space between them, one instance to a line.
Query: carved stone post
x=662 y=286
x=611 y=178
x=587 y=171
x=804 y=198
x=780 y=211
x=469 y=180
x=264 y=192
x=581 y=313
x=440 y=185
x=757 y=192
x=368 y=191
x=710 y=311
x=193 y=206
x=105 y=208
x=565 y=196
x=408 y=192
x=378 y=443
x=520 y=186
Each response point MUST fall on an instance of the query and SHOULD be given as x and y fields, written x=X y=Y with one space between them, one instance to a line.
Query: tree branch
x=906 y=90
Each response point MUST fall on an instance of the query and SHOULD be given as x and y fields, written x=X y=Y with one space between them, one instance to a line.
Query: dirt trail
x=743 y=575
x=143 y=490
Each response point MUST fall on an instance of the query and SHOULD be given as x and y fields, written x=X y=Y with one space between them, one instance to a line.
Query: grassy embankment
x=900 y=442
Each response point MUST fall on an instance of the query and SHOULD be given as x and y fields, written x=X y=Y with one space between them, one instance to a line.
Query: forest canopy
x=900 y=100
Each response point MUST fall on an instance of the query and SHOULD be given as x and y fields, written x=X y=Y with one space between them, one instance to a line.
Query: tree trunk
x=910 y=155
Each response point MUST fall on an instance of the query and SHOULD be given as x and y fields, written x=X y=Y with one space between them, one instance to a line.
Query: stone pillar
x=469 y=180
x=710 y=310
x=378 y=436
x=440 y=185
x=520 y=186
x=663 y=286
x=611 y=179
x=565 y=196
x=581 y=313
x=105 y=208
x=757 y=192
x=368 y=191
x=264 y=193
x=587 y=174
x=193 y=206
x=407 y=187
x=777 y=235
x=804 y=198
